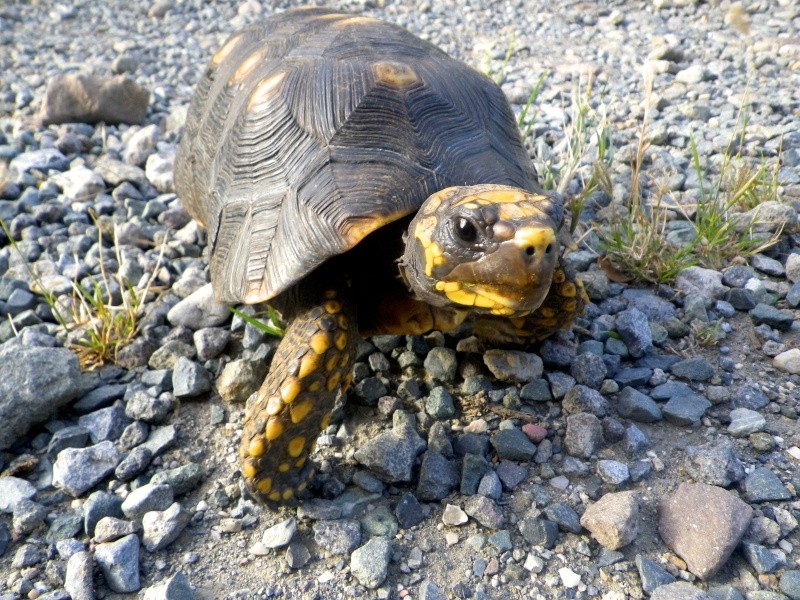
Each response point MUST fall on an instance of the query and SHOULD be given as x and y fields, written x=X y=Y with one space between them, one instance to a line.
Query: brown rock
x=80 y=97
x=703 y=524
x=613 y=520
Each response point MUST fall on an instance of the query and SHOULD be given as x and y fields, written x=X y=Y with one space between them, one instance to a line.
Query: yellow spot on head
x=289 y=390
x=295 y=447
x=249 y=469
x=265 y=90
x=299 y=410
x=501 y=195
x=394 y=74
x=274 y=406
x=309 y=364
x=535 y=237
x=274 y=429
x=320 y=342
x=247 y=66
x=257 y=447
x=264 y=485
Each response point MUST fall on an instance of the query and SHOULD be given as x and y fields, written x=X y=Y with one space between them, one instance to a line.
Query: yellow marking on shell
x=295 y=447
x=264 y=485
x=315 y=386
x=249 y=469
x=256 y=447
x=284 y=467
x=333 y=381
x=340 y=340
x=274 y=496
x=568 y=290
x=274 y=429
x=223 y=52
x=395 y=74
x=357 y=230
x=330 y=364
x=333 y=307
x=309 y=364
x=266 y=89
x=503 y=311
x=247 y=66
x=537 y=237
x=274 y=406
x=287 y=494
x=289 y=390
x=559 y=276
x=326 y=420
x=359 y=20
x=320 y=342
x=299 y=410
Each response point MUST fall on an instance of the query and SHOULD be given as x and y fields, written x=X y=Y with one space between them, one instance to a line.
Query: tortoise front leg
x=311 y=366
x=563 y=303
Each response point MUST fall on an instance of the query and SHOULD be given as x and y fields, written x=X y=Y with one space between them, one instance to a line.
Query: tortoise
x=363 y=182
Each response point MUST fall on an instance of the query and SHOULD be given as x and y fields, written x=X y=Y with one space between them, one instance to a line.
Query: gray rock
x=199 y=310
x=685 y=410
x=297 y=555
x=584 y=435
x=119 y=563
x=634 y=329
x=181 y=479
x=210 y=342
x=513 y=444
x=147 y=498
x=189 y=379
x=762 y=485
x=485 y=511
x=141 y=144
x=79 y=183
x=589 y=369
x=680 y=590
x=37 y=382
x=99 y=505
x=142 y=406
x=440 y=404
x=77 y=470
x=437 y=477
x=73 y=436
x=538 y=531
x=788 y=362
x=564 y=516
x=652 y=575
x=635 y=440
x=613 y=472
x=430 y=591
x=78 y=579
x=12 y=491
x=160 y=439
x=781 y=320
x=166 y=355
x=715 y=463
x=510 y=474
x=490 y=486
x=239 y=379
x=441 y=364
x=26 y=555
x=43 y=160
x=768 y=265
x=369 y=564
x=637 y=406
x=513 y=365
x=633 y=377
x=391 y=455
x=409 y=511
x=583 y=399
x=105 y=424
x=28 y=516
x=613 y=520
x=703 y=524
x=85 y=98
x=793 y=296
x=109 y=529
x=337 y=537
x=133 y=464
x=700 y=281
x=790 y=584
x=761 y=559
x=280 y=534
x=173 y=588
x=745 y=421
x=160 y=529
x=693 y=369
x=379 y=522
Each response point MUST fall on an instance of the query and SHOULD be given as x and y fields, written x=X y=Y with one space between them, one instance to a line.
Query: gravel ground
x=621 y=460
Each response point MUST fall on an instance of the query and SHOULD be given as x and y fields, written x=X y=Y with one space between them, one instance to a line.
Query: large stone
x=198 y=310
x=119 y=562
x=513 y=365
x=36 y=382
x=613 y=520
x=703 y=524
x=788 y=362
x=77 y=470
x=84 y=98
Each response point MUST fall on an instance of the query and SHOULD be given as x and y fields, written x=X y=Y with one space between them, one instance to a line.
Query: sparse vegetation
x=271 y=326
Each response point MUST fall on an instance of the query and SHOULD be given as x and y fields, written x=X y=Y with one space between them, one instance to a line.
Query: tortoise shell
x=316 y=128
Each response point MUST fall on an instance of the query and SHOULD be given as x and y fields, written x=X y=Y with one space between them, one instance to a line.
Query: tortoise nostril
x=530 y=251
x=548 y=249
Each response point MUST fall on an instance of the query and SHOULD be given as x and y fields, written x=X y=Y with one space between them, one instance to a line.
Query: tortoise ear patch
x=394 y=74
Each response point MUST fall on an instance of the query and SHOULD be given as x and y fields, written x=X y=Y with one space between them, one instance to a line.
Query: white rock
x=79 y=183
x=788 y=361
x=141 y=145
x=453 y=515
x=159 y=171
x=569 y=578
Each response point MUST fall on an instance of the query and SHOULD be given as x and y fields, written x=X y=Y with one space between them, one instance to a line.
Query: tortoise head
x=486 y=248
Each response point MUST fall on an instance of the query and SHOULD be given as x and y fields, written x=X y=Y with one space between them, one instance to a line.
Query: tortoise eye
x=466 y=230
